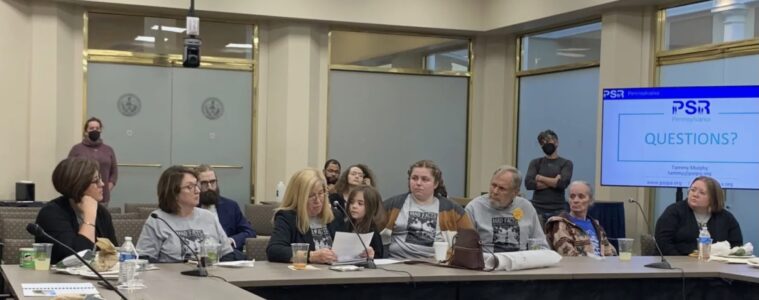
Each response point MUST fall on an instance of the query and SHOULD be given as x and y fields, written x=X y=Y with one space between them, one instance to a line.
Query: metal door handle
x=216 y=166
x=140 y=165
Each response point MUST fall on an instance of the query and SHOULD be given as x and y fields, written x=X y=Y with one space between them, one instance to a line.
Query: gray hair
x=515 y=175
x=585 y=183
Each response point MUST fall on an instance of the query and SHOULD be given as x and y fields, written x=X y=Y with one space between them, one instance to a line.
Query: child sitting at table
x=366 y=211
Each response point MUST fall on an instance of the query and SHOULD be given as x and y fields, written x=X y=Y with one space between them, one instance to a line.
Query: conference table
x=164 y=283
x=573 y=278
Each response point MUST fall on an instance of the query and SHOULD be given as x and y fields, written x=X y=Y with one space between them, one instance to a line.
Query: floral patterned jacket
x=568 y=239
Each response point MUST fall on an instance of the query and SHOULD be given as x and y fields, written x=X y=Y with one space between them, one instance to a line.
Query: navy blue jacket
x=234 y=222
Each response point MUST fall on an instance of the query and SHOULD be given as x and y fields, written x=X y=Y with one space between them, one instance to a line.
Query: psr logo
x=691 y=107
x=614 y=94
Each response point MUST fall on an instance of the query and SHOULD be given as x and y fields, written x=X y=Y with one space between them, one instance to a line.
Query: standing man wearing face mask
x=230 y=216
x=92 y=147
x=549 y=177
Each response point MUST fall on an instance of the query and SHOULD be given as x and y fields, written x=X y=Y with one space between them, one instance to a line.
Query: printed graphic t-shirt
x=320 y=233
x=415 y=230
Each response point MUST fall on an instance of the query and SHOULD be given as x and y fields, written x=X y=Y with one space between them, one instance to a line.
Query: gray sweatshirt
x=159 y=243
x=499 y=230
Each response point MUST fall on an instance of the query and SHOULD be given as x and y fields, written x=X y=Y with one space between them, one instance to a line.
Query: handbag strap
x=446 y=263
x=497 y=262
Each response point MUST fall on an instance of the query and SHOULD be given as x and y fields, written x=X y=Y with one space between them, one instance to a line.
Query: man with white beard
x=505 y=221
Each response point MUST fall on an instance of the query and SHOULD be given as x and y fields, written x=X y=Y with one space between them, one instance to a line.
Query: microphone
x=201 y=270
x=36 y=230
x=663 y=264
x=369 y=260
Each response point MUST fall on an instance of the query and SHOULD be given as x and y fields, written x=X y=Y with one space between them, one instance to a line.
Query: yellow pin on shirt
x=518 y=213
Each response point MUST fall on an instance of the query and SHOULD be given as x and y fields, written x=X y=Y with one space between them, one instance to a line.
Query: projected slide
x=665 y=137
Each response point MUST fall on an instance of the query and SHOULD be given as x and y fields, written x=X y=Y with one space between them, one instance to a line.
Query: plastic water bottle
x=126 y=252
x=704 y=244
x=280 y=193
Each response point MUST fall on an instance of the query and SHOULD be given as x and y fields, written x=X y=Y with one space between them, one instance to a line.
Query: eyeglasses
x=320 y=195
x=206 y=183
x=97 y=180
x=191 y=187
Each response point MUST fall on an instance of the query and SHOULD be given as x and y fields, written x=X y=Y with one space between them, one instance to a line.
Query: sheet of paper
x=387 y=261
x=348 y=247
x=56 y=289
x=308 y=267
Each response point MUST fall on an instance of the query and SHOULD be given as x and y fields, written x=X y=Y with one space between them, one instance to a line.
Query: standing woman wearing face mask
x=92 y=147
x=548 y=176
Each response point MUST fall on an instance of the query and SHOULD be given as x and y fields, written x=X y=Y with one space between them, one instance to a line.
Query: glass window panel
x=450 y=60
x=380 y=50
x=543 y=99
x=709 y=22
x=578 y=44
x=166 y=36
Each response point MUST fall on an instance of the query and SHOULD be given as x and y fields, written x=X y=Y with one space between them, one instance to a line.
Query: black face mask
x=93 y=135
x=548 y=148
x=209 y=197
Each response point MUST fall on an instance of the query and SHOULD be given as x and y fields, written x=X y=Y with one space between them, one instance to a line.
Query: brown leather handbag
x=467 y=250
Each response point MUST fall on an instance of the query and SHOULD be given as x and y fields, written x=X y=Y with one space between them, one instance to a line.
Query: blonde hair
x=296 y=197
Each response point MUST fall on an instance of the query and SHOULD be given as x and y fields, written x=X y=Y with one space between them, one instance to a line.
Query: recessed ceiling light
x=143 y=38
x=242 y=46
x=573 y=49
x=168 y=28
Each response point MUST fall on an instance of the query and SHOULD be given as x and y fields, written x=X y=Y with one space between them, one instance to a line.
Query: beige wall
x=492 y=118
x=292 y=101
x=439 y=14
x=42 y=70
x=447 y=15
x=626 y=66
x=15 y=46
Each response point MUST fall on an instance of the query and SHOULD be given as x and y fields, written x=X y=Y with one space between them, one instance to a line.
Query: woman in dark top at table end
x=678 y=227
x=76 y=218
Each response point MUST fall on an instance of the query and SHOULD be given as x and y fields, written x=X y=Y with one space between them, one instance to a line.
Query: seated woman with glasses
x=178 y=198
x=678 y=227
x=76 y=218
x=305 y=217
x=353 y=177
